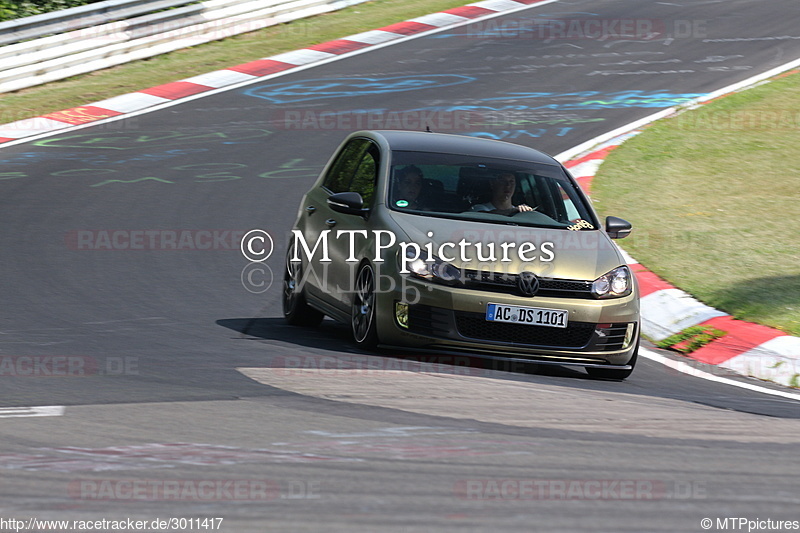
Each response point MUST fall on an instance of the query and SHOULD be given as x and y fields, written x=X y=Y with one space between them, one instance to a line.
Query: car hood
x=558 y=253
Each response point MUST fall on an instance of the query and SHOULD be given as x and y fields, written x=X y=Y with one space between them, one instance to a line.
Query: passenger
x=503 y=187
x=409 y=186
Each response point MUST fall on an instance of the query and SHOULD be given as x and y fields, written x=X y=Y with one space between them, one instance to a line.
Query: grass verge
x=713 y=197
x=131 y=77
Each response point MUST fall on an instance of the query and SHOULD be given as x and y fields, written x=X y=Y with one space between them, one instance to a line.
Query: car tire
x=613 y=373
x=363 y=312
x=296 y=310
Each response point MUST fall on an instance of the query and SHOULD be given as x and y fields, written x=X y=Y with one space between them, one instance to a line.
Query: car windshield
x=487 y=190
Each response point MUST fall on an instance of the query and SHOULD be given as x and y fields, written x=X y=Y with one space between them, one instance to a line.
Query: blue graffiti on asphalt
x=516 y=134
x=316 y=89
x=627 y=99
x=159 y=139
x=29 y=157
x=25 y=158
x=578 y=101
x=598 y=100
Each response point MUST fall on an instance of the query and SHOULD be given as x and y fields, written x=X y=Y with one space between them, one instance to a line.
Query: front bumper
x=599 y=332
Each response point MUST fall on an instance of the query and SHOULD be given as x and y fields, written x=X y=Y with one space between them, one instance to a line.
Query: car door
x=353 y=229
x=354 y=169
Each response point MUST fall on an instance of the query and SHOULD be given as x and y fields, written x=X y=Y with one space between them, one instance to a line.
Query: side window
x=539 y=194
x=569 y=206
x=345 y=165
x=530 y=194
x=366 y=175
x=355 y=169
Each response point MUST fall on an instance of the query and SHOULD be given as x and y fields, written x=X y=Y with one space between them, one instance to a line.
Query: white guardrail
x=44 y=48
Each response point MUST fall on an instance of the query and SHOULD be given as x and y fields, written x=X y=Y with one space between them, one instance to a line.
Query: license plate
x=531 y=316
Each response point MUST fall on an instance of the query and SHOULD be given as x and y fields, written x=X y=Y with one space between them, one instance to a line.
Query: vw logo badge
x=528 y=283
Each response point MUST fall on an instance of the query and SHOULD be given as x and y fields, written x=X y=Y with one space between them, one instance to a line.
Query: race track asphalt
x=176 y=349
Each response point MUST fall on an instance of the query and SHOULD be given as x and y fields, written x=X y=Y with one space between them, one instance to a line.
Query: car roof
x=420 y=141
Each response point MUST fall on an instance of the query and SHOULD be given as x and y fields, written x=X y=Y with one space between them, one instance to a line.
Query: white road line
x=45 y=410
x=684 y=368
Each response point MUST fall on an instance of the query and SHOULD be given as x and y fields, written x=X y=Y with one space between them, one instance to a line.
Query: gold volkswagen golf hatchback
x=450 y=243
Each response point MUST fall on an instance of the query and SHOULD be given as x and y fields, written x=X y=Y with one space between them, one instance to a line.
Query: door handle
x=310 y=209
x=330 y=222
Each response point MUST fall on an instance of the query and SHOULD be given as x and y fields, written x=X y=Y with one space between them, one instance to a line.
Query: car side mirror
x=349 y=203
x=618 y=228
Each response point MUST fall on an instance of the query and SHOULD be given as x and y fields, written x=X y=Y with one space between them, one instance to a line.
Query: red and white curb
x=146 y=99
x=747 y=349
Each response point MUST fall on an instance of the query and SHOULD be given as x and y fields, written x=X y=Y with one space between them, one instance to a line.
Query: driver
x=503 y=186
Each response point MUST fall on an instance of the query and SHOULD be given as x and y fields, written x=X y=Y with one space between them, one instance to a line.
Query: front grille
x=507 y=283
x=431 y=321
x=448 y=324
x=475 y=326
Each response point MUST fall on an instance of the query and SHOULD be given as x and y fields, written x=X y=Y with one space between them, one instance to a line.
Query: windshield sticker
x=579 y=225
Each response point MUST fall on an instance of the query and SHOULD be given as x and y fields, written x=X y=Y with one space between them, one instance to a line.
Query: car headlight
x=614 y=284
x=437 y=270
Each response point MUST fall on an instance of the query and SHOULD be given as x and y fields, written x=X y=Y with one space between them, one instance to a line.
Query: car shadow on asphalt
x=332 y=339
x=331 y=343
